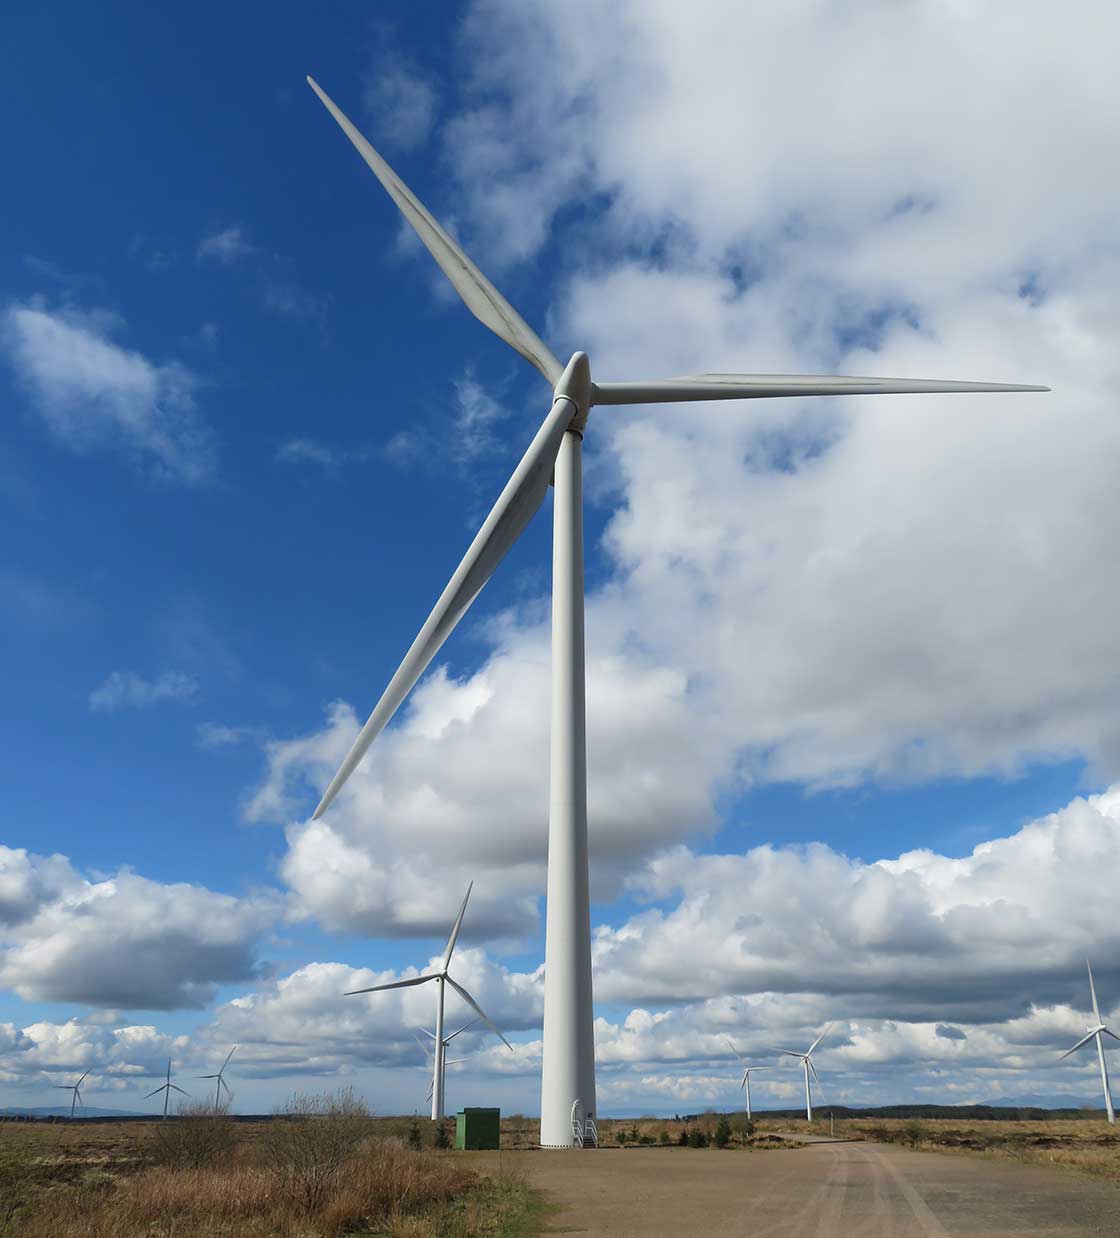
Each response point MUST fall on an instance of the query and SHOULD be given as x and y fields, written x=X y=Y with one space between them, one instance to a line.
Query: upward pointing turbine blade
x=479 y=295
x=818 y=1040
x=768 y=386
x=455 y=931
x=516 y=506
x=1093 y=991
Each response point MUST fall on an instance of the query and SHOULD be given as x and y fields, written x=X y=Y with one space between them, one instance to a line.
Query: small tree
x=664 y=1137
x=697 y=1139
x=414 y=1139
x=201 y=1135
x=682 y=1138
x=723 y=1133
x=634 y=1135
x=442 y=1138
x=621 y=1136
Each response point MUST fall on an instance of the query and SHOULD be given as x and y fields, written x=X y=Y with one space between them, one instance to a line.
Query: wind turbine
x=1097 y=1033
x=73 y=1087
x=554 y=455
x=441 y=978
x=221 y=1082
x=166 y=1089
x=430 y=1054
x=746 y=1082
x=807 y=1066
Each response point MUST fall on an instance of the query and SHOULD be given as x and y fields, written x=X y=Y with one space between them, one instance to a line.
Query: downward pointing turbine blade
x=396 y=984
x=455 y=930
x=156 y=1092
x=516 y=506
x=479 y=1011
x=1083 y=1041
x=1109 y=1032
x=767 y=386
x=479 y=295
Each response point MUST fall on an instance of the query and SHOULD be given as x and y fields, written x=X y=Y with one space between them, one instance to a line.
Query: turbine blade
x=455 y=1061
x=1093 y=991
x=1083 y=1041
x=448 y=1039
x=790 y=1052
x=479 y=295
x=819 y=1039
x=228 y=1056
x=1109 y=1032
x=813 y=1071
x=427 y=1052
x=455 y=929
x=767 y=386
x=177 y=1088
x=427 y=1033
x=480 y=1012
x=83 y=1078
x=734 y=1050
x=208 y=1076
x=396 y=984
x=222 y=1084
x=516 y=506
x=156 y=1092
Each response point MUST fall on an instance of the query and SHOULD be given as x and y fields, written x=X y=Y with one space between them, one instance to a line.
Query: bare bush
x=201 y=1135
x=312 y=1138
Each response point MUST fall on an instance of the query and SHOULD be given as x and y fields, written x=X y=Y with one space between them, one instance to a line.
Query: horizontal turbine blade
x=768 y=386
x=788 y=1052
x=1083 y=1041
x=208 y=1076
x=480 y=1012
x=396 y=984
x=479 y=295
x=455 y=929
x=516 y=506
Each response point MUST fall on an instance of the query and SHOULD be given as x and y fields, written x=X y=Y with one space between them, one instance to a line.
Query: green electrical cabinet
x=478 y=1128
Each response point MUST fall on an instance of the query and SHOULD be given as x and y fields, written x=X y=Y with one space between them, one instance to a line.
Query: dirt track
x=823 y=1190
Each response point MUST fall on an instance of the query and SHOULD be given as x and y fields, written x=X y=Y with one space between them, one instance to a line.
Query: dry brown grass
x=1087 y=1146
x=380 y=1186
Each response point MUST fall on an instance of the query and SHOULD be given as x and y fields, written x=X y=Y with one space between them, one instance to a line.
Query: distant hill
x=63 y=1111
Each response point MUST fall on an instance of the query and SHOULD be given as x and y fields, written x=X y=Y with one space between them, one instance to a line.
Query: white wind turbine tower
x=554 y=455
x=746 y=1081
x=808 y=1068
x=1097 y=1033
x=221 y=1083
x=442 y=978
x=76 y=1099
x=166 y=1088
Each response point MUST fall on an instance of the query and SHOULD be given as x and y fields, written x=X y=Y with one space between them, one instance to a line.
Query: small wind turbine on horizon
x=554 y=457
x=166 y=1089
x=1097 y=1033
x=808 y=1068
x=221 y=1083
x=441 y=977
x=73 y=1087
x=745 y=1084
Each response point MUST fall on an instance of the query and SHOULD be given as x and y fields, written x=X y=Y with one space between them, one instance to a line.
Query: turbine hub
x=574 y=386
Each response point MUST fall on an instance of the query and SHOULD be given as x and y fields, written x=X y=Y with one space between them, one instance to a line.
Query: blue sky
x=249 y=433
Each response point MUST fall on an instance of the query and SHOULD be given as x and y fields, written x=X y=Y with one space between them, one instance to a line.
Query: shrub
x=634 y=1135
x=414 y=1137
x=697 y=1139
x=682 y=1138
x=647 y=1140
x=663 y=1138
x=15 y=1185
x=201 y=1135
x=742 y=1126
x=442 y=1137
x=312 y=1138
x=723 y=1133
x=621 y=1136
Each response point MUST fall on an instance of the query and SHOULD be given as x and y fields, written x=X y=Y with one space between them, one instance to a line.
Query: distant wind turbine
x=1097 y=1033
x=746 y=1081
x=807 y=1066
x=221 y=1083
x=429 y=1053
x=554 y=456
x=441 y=978
x=76 y=1099
x=166 y=1089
